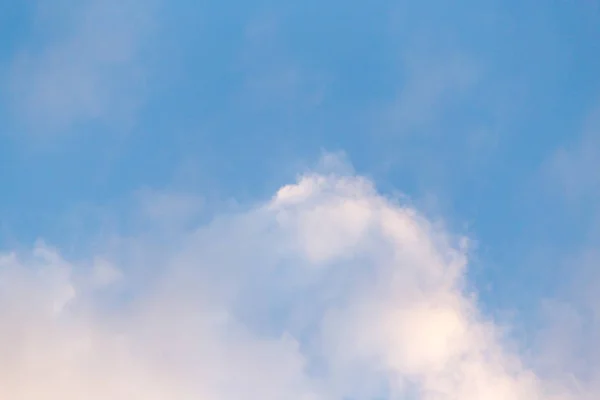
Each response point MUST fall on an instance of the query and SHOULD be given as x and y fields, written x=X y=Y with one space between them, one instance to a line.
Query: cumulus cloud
x=84 y=66
x=328 y=290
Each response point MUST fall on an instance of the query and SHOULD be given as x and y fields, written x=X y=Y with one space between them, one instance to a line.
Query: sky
x=384 y=200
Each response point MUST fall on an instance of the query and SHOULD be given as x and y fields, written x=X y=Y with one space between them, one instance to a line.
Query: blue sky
x=139 y=133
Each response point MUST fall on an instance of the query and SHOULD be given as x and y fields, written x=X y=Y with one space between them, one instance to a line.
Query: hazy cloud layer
x=572 y=167
x=567 y=343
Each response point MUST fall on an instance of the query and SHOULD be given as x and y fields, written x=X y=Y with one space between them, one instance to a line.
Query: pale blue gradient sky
x=482 y=113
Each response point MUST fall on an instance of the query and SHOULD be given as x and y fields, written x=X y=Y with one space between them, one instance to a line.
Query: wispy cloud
x=433 y=84
x=572 y=168
x=83 y=65
x=327 y=290
x=571 y=321
x=273 y=77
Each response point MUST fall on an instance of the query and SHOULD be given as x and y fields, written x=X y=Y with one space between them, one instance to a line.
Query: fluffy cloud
x=326 y=291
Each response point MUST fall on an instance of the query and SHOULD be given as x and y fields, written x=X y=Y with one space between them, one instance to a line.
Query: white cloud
x=104 y=273
x=85 y=65
x=327 y=291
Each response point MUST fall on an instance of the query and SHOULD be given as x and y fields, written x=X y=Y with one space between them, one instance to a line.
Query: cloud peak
x=328 y=290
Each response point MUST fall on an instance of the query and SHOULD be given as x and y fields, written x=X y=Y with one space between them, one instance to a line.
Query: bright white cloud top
x=327 y=291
